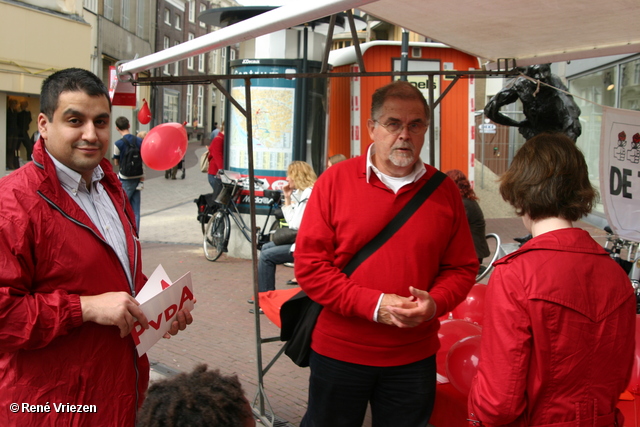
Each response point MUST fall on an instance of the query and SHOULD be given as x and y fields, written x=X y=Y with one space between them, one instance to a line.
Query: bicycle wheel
x=216 y=236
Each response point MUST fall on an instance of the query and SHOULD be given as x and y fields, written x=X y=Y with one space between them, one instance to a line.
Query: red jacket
x=216 y=154
x=432 y=251
x=52 y=254
x=558 y=336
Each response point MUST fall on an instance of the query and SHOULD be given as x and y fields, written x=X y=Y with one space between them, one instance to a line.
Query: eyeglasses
x=395 y=128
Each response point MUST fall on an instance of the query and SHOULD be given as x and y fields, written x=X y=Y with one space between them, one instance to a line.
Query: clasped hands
x=406 y=312
x=122 y=310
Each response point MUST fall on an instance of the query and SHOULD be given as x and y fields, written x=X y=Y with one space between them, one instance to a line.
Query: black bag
x=301 y=313
x=206 y=207
x=131 y=162
x=298 y=315
x=284 y=236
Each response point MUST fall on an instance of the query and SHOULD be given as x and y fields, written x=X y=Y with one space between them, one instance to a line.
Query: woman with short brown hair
x=557 y=341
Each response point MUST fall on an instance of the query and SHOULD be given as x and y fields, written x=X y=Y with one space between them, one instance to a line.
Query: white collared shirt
x=392 y=182
x=99 y=208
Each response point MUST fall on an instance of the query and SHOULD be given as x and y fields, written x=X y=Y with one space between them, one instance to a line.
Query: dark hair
x=398 y=89
x=69 y=80
x=549 y=178
x=463 y=184
x=197 y=399
x=122 y=123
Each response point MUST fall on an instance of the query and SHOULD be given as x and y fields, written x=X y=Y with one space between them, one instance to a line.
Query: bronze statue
x=545 y=108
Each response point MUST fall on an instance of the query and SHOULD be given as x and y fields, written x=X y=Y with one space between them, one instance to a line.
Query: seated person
x=300 y=180
x=474 y=213
x=198 y=399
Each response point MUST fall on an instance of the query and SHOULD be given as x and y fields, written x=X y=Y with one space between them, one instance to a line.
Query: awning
x=528 y=31
x=531 y=32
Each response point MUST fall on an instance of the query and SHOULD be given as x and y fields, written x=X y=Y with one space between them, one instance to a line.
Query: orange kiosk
x=350 y=99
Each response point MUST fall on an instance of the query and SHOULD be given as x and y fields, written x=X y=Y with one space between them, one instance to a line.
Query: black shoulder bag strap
x=396 y=223
x=298 y=315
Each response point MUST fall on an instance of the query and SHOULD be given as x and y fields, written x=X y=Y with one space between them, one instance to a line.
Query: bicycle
x=616 y=246
x=486 y=269
x=218 y=227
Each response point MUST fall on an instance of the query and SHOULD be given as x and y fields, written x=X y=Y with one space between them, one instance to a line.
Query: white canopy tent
x=531 y=32
x=498 y=32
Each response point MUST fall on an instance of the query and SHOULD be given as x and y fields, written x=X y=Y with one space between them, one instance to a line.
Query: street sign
x=487 y=128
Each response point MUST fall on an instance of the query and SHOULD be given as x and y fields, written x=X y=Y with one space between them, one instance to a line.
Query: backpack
x=131 y=162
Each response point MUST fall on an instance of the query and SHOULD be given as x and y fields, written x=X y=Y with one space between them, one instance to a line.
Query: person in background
x=141 y=134
x=216 y=160
x=130 y=184
x=300 y=180
x=336 y=158
x=70 y=268
x=376 y=339
x=13 y=134
x=214 y=131
x=474 y=213
x=24 y=121
x=200 y=398
x=557 y=344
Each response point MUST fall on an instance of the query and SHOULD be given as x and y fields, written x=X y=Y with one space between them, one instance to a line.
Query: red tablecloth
x=271 y=301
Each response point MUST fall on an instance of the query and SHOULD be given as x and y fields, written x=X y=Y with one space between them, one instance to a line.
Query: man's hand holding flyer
x=160 y=300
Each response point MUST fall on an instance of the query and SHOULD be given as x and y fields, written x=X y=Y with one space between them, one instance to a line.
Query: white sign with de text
x=620 y=171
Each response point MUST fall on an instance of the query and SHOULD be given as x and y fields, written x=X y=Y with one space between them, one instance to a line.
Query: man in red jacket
x=69 y=271
x=375 y=340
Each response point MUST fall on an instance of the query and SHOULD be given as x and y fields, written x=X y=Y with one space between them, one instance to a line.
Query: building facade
x=34 y=42
x=200 y=106
x=39 y=37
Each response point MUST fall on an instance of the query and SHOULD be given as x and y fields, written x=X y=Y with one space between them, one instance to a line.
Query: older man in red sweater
x=376 y=339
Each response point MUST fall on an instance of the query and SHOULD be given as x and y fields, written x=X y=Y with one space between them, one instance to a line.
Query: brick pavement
x=223 y=333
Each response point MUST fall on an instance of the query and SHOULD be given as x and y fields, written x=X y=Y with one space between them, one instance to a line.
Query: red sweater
x=433 y=251
x=216 y=154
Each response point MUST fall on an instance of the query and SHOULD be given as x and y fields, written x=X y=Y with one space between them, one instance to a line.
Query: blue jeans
x=400 y=396
x=129 y=186
x=270 y=256
x=215 y=183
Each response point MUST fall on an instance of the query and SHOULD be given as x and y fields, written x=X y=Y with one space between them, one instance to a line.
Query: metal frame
x=261 y=401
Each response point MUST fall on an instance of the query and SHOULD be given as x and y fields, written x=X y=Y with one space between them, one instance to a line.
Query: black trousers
x=400 y=396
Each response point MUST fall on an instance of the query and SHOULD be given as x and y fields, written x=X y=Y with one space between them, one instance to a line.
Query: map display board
x=273 y=117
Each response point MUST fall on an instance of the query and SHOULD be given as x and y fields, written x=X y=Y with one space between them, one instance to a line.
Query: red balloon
x=462 y=363
x=472 y=308
x=144 y=115
x=164 y=146
x=452 y=331
x=634 y=384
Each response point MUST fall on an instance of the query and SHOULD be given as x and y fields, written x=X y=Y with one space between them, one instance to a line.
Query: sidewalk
x=223 y=333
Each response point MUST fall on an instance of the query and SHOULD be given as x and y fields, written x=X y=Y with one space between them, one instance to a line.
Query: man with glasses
x=376 y=338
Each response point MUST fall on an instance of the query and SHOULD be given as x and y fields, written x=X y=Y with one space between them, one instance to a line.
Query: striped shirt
x=99 y=208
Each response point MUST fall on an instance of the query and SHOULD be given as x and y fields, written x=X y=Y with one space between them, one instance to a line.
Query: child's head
x=197 y=399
